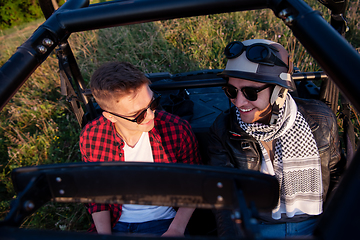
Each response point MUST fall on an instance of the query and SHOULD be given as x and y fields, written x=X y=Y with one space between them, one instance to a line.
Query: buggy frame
x=78 y=15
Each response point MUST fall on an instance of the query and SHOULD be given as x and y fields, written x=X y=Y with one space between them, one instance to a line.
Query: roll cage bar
x=323 y=41
x=74 y=16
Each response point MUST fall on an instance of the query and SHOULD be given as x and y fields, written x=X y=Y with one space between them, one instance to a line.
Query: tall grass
x=37 y=126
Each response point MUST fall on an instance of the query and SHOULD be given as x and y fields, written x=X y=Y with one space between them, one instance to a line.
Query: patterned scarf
x=296 y=162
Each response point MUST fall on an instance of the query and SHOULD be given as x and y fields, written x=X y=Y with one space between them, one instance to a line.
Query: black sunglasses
x=140 y=118
x=257 y=52
x=250 y=93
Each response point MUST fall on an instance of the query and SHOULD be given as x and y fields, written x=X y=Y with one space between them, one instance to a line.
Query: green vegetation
x=38 y=127
x=16 y=12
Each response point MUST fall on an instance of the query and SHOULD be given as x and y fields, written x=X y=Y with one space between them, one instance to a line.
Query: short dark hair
x=114 y=79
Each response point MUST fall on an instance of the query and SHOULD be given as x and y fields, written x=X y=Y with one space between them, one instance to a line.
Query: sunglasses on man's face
x=250 y=93
x=141 y=117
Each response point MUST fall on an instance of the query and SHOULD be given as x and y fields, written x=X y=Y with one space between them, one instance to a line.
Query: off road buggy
x=204 y=187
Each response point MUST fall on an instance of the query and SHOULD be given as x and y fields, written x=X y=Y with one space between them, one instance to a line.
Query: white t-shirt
x=133 y=213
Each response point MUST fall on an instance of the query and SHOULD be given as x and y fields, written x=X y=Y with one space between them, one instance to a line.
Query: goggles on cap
x=141 y=117
x=250 y=93
x=258 y=52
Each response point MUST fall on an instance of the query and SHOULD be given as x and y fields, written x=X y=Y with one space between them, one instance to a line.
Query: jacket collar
x=236 y=132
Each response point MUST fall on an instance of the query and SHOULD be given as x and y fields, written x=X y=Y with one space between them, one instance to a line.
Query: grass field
x=37 y=126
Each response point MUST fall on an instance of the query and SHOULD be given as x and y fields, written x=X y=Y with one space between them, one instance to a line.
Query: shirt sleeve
x=94 y=207
x=115 y=211
x=85 y=149
x=84 y=145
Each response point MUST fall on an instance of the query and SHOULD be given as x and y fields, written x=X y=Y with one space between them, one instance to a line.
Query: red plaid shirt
x=172 y=141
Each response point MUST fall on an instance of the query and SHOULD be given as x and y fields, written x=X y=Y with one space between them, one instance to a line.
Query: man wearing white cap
x=267 y=130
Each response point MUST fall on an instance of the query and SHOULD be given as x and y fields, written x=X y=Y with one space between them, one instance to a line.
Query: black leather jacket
x=230 y=146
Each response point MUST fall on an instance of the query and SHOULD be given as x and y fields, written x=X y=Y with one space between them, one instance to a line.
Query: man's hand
x=178 y=225
x=102 y=222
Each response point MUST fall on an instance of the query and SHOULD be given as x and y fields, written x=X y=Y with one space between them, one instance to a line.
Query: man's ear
x=109 y=116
